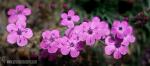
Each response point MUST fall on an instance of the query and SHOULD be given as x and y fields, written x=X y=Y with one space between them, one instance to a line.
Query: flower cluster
x=17 y=26
x=52 y=41
x=117 y=39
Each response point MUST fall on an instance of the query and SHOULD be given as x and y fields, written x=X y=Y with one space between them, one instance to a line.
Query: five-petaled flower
x=19 y=34
x=114 y=46
x=70 y=46
x=94 y=30
x=121 y=29
x=68 y=19
x=48 y=41
x=18 y=14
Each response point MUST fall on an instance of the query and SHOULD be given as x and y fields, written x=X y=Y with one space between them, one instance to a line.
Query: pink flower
x=69 y=46
x=18 y=14
x=48 y=41
x=19 y=34
x=68 y=19
x=120 y=38
x=94 y=30
x=121 y=29
x=114 y=47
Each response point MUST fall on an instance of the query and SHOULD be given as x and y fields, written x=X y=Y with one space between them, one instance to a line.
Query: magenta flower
x=114 y=47
x=121 y=36
x=19 y=34
x=121 y=29
x=48 y=41
x=69 y=46
x=89 y=33
x=68 y=19
x=18 y=14
x=94 y=30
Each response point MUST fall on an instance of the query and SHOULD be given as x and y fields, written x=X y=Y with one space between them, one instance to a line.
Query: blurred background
x=46 y=15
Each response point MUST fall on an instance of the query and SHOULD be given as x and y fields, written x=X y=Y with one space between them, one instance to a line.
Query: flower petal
x=20 y=23
x=124 y=23
x=90 y=41
x=93 y=25
x=67 y=23
x=43 y=45
x=64 y=22
x=11 y=12
x=117 y=54
x=132 y=39
x=123 y=50
x=68 y=31
x=22 y=41
x=116 y=23
x=128 y=39
x=28 y=33
x=64 y=16
x=21 y=18
x=46 y=34
x=125 y=42
x=27 y=11
x=64 y=50
x=20 y=7
x=70 y=24
x=12 y=38
x=75 y=18
x=12 y=19
x=12 y=28
x=109 y=49
x=74 y=53
x=55 y=33
x=52 y=49
x=71 y=13
x=109 y=41
x=128 y=30
x=95 y=19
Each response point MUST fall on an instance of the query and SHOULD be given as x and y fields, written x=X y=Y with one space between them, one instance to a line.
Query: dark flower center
x=19 y=12
x=71 y=45
x=117 y=45
x=118 y=42
x=69 y=18
x=80 y=45
x=19 y=32
x=111 y=40
x=120 y=28
x=51 y=39
x=90 y=31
